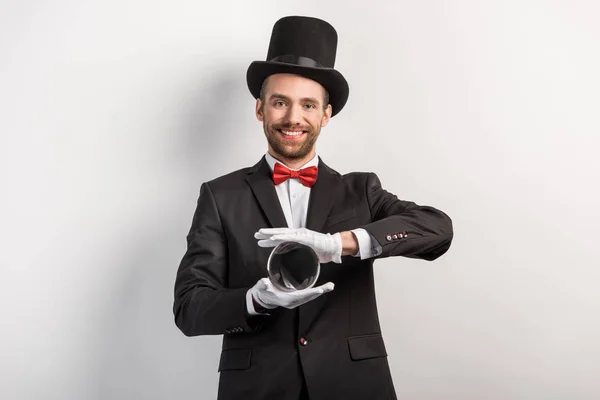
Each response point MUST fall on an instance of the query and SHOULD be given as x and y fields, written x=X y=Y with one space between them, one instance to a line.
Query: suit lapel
x=261 y=183
x=319 y=204
x=322 y=197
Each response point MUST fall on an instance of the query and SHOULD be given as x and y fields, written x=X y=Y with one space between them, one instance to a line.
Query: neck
x=294 y=163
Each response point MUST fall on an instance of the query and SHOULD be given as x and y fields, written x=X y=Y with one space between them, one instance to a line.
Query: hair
x=263 y=90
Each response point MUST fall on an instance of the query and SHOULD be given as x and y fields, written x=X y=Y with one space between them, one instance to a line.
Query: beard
x=287 y=148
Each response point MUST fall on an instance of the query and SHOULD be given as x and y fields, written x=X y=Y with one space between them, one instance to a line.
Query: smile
x=291 y=134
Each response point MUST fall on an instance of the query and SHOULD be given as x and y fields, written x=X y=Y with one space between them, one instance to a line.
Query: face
x=292 y=114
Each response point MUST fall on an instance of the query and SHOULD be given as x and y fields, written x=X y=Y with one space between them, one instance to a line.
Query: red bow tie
x=307 y=176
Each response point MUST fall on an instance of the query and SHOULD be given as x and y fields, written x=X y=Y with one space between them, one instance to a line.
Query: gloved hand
x=270 y=297
x=327 y=246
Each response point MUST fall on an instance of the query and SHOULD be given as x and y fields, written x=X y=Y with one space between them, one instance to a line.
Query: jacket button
x=388 y=238
x=303 y=341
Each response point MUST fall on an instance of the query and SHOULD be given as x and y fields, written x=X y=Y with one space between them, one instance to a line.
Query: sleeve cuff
x=368 y=247
x=249 y=305
x=337 y=257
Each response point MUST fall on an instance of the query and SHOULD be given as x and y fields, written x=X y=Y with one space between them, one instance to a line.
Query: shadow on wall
x=142 y=354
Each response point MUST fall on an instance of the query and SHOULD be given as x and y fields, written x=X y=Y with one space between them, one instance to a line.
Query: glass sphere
x=293 y=266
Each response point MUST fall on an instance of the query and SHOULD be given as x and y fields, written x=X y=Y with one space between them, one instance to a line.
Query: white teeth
x=290 y=133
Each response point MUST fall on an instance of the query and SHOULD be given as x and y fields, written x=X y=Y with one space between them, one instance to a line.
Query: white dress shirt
x=293 y=197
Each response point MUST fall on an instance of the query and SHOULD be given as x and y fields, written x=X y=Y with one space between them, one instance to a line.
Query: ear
x=259 y=112
x=326 y=116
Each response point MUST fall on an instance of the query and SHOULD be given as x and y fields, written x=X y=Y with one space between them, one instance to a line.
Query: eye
x=279 y=103
x=310 y=106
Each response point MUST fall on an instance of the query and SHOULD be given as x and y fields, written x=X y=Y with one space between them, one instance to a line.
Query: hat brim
x=331 y=79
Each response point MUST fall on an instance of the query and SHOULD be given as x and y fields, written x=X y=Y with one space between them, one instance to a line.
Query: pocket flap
x=368 y=346
x=235 y=359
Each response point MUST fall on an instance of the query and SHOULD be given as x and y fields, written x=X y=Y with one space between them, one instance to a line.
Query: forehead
x=293 y=86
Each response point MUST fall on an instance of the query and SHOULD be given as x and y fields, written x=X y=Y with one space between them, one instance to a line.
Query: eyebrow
x=283 y=97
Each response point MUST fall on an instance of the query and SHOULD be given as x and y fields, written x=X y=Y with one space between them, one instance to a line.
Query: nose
x=294 y=115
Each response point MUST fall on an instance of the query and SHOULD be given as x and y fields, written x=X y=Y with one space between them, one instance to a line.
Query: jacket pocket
x=367 y=346
x=235 y=359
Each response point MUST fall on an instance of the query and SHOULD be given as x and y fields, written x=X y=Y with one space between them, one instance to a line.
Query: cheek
x=316 y=120
x=272 y=117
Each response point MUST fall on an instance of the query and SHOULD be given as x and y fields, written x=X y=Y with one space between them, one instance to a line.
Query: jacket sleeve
x=403 y=228
x=203 y=304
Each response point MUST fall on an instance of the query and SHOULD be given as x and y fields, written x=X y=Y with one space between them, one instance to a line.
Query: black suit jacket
x=262 y=358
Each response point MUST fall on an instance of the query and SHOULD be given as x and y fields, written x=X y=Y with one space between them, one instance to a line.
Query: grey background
x=113 y=113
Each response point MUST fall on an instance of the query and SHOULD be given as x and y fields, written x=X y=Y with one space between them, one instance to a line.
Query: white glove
x=270 y=297
x=327 y=246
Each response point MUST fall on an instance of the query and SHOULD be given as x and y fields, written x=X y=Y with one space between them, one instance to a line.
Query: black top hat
x=303 y=46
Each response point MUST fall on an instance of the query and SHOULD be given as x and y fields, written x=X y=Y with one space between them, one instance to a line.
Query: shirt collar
x=272 y=160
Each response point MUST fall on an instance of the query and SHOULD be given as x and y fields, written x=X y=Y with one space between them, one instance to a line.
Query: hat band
x=297 y=60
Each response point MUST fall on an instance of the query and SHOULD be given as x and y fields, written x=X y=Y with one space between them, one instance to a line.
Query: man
x=324 y=342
